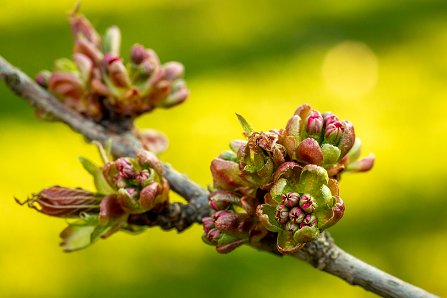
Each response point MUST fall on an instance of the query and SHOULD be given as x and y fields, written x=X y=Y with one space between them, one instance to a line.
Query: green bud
x=112 y=41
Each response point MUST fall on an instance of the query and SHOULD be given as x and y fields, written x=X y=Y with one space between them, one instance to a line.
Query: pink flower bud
x=208 y=224
x=213 y=235
x=138 y=54
x=290 y=199
x=307 y=203
x=314 y=124
x=65 y=85
x=85 y=47
x=142 y=177
x=125 y=168
x=173 y=70
x=218 y=205
x=308 y=221
x=42 y=78
x=333 y=133
x=80 y=26
x=149 y=159
x=117 y=71
x=309 y=152
x=148 y=196
x=296 y=215
x=329 y=118
x=84 y=65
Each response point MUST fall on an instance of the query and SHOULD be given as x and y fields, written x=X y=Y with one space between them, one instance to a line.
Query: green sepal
x=311 y=179
x=100 y=182
x=75 y=237
x=266 y=215
x=66 y=65
x=286 y=243
x=306 y=234
x=245 y=125
x=278 y=189
x=355 y=151
x=331 y=154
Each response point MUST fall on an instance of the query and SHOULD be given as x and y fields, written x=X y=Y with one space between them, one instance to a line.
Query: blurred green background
x=380 y=64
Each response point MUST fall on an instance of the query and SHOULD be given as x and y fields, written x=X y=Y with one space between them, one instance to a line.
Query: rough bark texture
x=322 y=253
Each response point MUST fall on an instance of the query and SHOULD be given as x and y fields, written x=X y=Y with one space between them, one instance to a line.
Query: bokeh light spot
x=350 y=69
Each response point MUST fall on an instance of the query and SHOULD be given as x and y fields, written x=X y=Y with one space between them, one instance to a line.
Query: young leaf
x=245 y=125
x=100 y=182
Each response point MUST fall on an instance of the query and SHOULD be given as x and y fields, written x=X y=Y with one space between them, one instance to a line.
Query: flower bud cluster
x=286 y=180
x=100 y=85
x=295 y=211
x=125 y=186
x=231 y=223
x=138 y=182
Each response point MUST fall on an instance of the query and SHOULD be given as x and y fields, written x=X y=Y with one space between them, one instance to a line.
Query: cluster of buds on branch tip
x=98 y=84
x=282 y=181
x=125 y=186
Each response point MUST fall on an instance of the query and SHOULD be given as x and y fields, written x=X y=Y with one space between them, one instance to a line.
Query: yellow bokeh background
x=380 y=64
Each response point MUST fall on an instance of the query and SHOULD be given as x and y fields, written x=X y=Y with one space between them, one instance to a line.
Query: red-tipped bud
x=116 y=70
x=64 y=202
x=84 y=65
x=333 y=133
x=290 y=199
x=125 y=168
x=173 y=70
x=213 y=235
x=42 y=78
x=309 y=151
x=149 y=159
x=296 y=215
x=282 y=214
x=138 y=54
x=143 y=177
x=329 y=118
x=307 y=203
x=80 y=26
x=218 y=205
x=208 y=224
x=65 y=85
x=148 y=196
x=314 y=124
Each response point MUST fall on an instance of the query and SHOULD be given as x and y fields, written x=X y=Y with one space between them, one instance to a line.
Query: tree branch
x=322 y=253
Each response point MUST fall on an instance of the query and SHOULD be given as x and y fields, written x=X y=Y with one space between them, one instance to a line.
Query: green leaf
x=100 y=182
x=76 y=237
x=108 y=149
x=245 y=125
